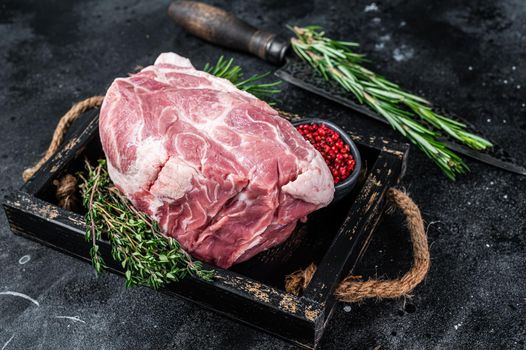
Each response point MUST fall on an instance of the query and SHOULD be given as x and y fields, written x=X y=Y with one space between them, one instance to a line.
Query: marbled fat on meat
x=217 y=168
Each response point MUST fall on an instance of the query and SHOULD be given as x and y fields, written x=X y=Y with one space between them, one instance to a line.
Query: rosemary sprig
x=225 y=68
x=148 y=257
x=335 y=60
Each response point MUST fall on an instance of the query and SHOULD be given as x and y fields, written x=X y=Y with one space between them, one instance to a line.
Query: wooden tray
x=252 y=292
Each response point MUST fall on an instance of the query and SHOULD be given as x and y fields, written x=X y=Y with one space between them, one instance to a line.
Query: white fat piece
x=314 y=185
x=173 y=58
x=174 y=180
x=151 y=154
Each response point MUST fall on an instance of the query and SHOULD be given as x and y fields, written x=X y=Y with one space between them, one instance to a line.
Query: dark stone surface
x=468 y=55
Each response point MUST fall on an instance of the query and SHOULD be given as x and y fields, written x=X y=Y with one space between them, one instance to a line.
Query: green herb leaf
x=148 y=257
x=254 y=85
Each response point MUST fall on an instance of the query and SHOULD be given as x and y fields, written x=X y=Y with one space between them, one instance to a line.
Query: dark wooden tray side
x=301 y=319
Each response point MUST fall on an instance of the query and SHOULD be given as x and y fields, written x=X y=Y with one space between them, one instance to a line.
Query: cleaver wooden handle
x=222 y=28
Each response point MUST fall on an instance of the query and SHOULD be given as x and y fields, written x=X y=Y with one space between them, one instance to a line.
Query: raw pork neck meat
x=217 y=168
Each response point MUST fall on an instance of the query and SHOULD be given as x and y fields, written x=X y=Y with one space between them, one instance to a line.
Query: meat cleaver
x=222 y=28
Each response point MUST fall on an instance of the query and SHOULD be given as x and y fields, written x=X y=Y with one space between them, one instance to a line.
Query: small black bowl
x=344 y=187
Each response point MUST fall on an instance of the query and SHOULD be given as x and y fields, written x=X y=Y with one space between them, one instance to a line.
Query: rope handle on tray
x=67 y=184
x=352 y=290
x=62 y=127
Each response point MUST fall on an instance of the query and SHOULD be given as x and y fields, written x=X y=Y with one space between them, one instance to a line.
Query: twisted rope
x=66 y=189
x=351 y=290
x=61 y=129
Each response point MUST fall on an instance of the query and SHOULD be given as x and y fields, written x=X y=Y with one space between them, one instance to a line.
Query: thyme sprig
x=335 y=60
x=225 y=68
x=148 y=257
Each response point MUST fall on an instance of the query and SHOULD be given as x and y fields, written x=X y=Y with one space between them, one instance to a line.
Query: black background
x=466 y=55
